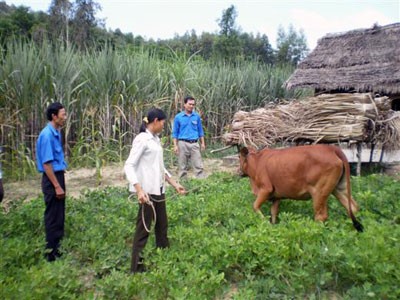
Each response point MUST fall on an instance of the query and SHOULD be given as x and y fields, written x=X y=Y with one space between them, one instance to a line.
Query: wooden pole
x=359 y=150
x=221 y=149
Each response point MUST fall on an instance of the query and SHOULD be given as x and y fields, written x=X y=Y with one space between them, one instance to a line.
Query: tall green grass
x=106 y=93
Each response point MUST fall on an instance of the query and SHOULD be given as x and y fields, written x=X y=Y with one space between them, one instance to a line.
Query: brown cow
x=300 y=173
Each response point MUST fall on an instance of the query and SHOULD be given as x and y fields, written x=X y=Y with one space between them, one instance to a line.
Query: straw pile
x=328 y=118
x=388 y=130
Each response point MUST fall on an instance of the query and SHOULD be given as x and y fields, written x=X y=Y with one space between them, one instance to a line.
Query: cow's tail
x=357 y=225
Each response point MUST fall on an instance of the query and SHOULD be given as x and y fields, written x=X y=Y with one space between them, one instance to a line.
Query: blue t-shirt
x=49 y=149
x=187 y=127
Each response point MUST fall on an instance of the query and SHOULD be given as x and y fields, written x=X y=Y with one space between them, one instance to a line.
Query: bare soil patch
x=393 y=170
x=79 y=180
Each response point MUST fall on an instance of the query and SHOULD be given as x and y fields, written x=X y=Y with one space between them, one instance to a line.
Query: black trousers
x=54 y=214
x=1 y=190
x=160 y=228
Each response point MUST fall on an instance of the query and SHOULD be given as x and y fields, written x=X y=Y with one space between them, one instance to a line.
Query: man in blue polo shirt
x=186 y=133
x=51 y=163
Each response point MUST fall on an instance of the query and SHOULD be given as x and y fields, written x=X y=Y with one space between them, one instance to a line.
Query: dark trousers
x=54 y=214
x=141 y=235
x=1 y=190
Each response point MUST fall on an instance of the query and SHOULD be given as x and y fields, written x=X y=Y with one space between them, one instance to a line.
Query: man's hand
x=176 y=149
x=60 y=193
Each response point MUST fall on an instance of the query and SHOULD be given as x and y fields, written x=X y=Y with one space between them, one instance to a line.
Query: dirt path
x=78 y=180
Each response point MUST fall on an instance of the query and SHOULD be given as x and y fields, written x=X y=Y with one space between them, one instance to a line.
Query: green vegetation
x=106 y=93
x=219 y=247
x=108 y=80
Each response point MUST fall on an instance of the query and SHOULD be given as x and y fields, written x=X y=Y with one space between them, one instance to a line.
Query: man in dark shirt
x=51 y=163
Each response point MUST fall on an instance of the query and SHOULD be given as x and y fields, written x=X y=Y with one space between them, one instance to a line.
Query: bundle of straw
x=328 y=118
x=388 y=130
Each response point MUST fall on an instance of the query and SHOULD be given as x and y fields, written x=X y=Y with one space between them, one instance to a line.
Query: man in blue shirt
x=186 y=133
x=51 y=163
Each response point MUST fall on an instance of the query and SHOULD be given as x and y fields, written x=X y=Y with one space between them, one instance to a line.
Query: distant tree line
x=75 y=24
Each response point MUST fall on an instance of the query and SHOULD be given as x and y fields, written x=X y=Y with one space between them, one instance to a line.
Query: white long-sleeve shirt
x=145 y=164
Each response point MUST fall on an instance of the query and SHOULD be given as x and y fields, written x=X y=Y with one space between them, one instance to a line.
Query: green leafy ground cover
x=220 y=249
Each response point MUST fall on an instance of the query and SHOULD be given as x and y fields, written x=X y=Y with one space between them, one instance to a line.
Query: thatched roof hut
x=356 y=76
x=356 y=61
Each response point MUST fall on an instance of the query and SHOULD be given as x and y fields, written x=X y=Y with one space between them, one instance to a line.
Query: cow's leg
x=262 y=196
x=320 y=204
x=341 y=195
x=274 y=210
x=341 y=191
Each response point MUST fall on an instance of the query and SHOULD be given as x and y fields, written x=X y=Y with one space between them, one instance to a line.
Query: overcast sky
x=162 y=19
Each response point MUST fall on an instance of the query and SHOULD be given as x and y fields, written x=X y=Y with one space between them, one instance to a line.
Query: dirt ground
x=393 y=170
x=78 y=180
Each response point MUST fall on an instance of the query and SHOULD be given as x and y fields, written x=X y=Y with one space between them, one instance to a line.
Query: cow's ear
x=244 y=151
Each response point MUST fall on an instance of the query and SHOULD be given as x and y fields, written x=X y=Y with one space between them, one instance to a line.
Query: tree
x=264 y=49
x=291 y=46
x=39 y=29
x=257 y=48
x=228 y=45
x=84 y=21
x=227 y=23
x=206 y=44
x=23 y=20
x=7 y=28
x=4 y=8
x=60 y=13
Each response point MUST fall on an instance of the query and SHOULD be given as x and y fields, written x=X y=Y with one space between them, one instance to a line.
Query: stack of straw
x=328 y=118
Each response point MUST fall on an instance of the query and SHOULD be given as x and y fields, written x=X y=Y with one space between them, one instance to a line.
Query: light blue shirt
x=187 y=127
x=49 y=149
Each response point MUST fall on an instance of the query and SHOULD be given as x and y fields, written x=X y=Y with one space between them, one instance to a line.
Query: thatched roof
x=360 y=60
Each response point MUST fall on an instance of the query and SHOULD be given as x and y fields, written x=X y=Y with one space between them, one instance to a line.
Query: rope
x=152 y=205
x=154 y=214
x=150 y=202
